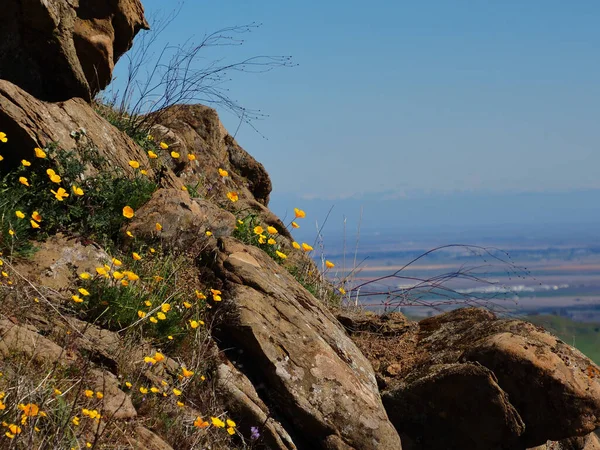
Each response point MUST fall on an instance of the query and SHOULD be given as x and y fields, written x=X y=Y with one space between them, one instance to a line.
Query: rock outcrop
x=520 y=381
x=57 y=50
x=320 y=387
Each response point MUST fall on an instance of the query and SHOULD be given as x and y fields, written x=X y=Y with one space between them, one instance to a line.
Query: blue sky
x=415 y=98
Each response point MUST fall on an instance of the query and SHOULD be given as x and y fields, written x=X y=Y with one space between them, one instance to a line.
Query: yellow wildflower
x=153 y=319
x=233 y=196
x=174 y=155
x=191 y=157
x=329 y=264
x=194 y=324
x=296 y=245
x=152 y=250
x=271 y=230
x=152 y=155
x=128 y=212
x=200 y=295
x=75 y=421
x=129 y=233
x=342 y=291
x=117 y=262
x=143 y=390
x=158 y=226
x=208 y=233
x=34 y=224
x=200 y=423
x=89 y=393
x=60 y=194
x=165 y=307
x=154 y=390
x=271 y=241
x=299 y=213
x=161 y=315
x=128 y=384
x=136 y=256
x=258 y=230
x=306 y=247
x=186 y=373
x=159 y=357
x=25 y=163
x=143 y=172
x=77 y=191
x=177 y=392
x=117 y=275
x=148 y=303
x=77 y=299
x=217 y=422
x=23 y=181
x=187 y=305
x=99 y=395
x=223 y=173
x=149 y=360
x=3 y=137
x=132 y=276
x=19 y=214
x=262 y=239
x=141 y=314
x=57 y=392
x=85 y=276
x=55 y=178
x=150 y=137
x=83 y=291
x=181 y=405
x=11 y=232
x=39 y=153
x=280 y=254
x=36 y=216
x=295 y=225
x=164 y=145
x=134 y=164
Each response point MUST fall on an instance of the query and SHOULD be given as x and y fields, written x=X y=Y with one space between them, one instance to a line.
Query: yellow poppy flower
x=25 y=163
x=200 y=295
x=158 y=226
x=152 y=155
x=233 y=196
x=136 y=256
x=200 y=423
x=39 y=153
x=85 y=276
x=143 y=390
x=299 y=213
x=165 y=307
x=223 y=173
x=194 y=324
x=23 y=181
x=128 y=212
x=19 y=214
x=34 y=224
x=217 y=422
x=77 y=191
x=174 y=155
x=153 y=319
x=55 y=178
x=208 y=233
x=281 y=255
x=159 y=357
x=89 y=393
x=186 y=373
x=164 y=145
x=271 y=241
x=191 y=157
x=134 y=164
x=117 y=262
x=329 y=264
x=258 y=230
x=3 y=137
x=83 y=292
x=60 y=194
x=161 y=315
x=271 y=230
x=295 y=225
x=176 y=391
x=141 y=314
x=306 y=247
x=296 y=245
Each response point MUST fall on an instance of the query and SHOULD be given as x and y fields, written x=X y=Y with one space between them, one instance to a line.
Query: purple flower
x=255 y=434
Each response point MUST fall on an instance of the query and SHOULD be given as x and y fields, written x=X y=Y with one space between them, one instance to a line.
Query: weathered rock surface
x=320 y=386
x=589 y=442
x=57 y=50
x=197 y=129
x=31 y=123
x=184 y=220
x=463 y=405
x=243 y=402
x=551 y=386
x=147 y=440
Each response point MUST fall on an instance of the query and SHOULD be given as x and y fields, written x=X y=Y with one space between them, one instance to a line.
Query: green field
x=584 y=336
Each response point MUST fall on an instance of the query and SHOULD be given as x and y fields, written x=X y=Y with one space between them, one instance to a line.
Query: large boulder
x=57 y=49
x=537 y=380
x=320 y=387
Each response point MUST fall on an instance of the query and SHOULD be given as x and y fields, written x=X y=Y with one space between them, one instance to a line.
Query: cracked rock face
x=321 y=388
x=60 y=49
x=518 y=382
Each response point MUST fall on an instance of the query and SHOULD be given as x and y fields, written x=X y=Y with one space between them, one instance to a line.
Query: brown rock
x=197 y=129
x=242 y=400
x=115 y=403
x=57 y=50
x=31 y=123
x=589 y=442
x=147 y=440
x=452 y=407
x=319 y=383
x=553 y=387
x=184 y=220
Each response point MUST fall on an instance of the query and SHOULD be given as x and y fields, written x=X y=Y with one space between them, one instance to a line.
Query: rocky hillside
x=149 y=299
